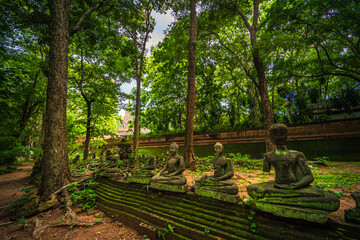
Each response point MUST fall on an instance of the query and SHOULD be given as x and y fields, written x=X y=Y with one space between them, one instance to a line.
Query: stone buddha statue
x=173 y=180
x=219 y=186
x=291 y=195
x=144 y=174
x=110 y=167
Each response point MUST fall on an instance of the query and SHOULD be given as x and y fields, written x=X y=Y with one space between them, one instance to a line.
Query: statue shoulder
x=269 y=154
x=296 y=153
x=299 y=155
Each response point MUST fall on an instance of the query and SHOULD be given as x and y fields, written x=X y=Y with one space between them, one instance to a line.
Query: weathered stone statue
x=110 y=169
x=143 y=175
x=353 y=214
x=173 y=180
x=291 y=195
x=219 y=186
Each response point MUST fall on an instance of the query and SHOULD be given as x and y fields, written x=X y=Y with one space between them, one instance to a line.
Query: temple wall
x=335 y=129
x=195 y=217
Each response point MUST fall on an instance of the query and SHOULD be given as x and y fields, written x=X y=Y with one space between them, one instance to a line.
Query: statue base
x=352 y=215
x=217 y=195
x=309 y=203
x=108 y=172
x=170 y=188
x=140 y=180
x=311 y=215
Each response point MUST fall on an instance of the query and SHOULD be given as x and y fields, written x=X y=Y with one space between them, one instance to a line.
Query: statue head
x=174 y=148
x=219 y=148
x=278 y=133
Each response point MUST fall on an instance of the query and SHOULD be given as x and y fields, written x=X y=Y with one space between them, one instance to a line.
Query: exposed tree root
x=5 y=223
x=54 y=195
x=40 y=226
x=70 y=214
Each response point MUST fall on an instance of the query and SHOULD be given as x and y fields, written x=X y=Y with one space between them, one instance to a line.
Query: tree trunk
x=55 y=168
x=262 y=86
x=88 y=128
x=137 y=117
x=255 y=108
x=41 y=130
x=190 y=107
x=265 y=101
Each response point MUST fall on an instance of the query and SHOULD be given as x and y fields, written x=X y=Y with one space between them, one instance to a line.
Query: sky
x=162 y=22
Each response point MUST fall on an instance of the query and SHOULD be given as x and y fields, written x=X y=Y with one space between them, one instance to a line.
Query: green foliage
x=23 y=222
x=245 y=161
x=83 y=195
x=167 y=231
x=323 y=159
x=335 y=178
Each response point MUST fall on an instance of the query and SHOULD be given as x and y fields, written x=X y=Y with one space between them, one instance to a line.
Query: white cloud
x=162 y=22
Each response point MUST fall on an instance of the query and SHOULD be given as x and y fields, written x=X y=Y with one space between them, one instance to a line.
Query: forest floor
x=94 y=226
x=341 y=178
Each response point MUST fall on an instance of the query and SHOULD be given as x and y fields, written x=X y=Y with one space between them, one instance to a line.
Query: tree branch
x=236 y=10
x=84 y=16
x=326 y=74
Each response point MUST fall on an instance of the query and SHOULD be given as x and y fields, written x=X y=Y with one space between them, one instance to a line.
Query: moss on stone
x=140 y=180
x=189 y=213
x=218 y=196
x=352 y=215
x=293 y=212
x=170 y=188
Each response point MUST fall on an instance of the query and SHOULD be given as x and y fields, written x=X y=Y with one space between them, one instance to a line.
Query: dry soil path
x=88 y=227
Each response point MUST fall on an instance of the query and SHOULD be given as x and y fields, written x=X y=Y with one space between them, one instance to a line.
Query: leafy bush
x=8 y=150
x=244 y=160
x=83 y=194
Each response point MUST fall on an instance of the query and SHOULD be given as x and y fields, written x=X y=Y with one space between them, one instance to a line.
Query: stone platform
x=197 y=217
x=309 y=203
x=218 y=196
x=140 y=180
x=171 y=188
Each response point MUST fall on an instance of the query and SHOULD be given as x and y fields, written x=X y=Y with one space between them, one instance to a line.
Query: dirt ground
x=90 y=227
x=96 y=226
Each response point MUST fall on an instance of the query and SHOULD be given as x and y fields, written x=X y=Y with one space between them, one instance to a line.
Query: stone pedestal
x=140 y=180
x=309 y=203
x=353 y=214
x=170 y=188
x=217 y=195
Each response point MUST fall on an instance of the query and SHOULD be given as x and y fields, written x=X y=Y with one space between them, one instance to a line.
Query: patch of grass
x=335 y=178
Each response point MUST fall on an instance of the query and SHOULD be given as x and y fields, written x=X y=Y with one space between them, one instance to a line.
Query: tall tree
x=190 y=107
x=140 y=41
x=55 y=166
x=261 y=83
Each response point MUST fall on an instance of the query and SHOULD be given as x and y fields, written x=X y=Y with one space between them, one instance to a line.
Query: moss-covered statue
x=110 y=167
x=291 y=195
x=353 y=214
x=219 y=186
x=173 y=180
x=145 y=173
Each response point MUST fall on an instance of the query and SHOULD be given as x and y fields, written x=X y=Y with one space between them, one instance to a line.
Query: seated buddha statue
x=144 y=174
x=109 y=168
x=219 y=186
x=291 y=194
x=170 y=178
